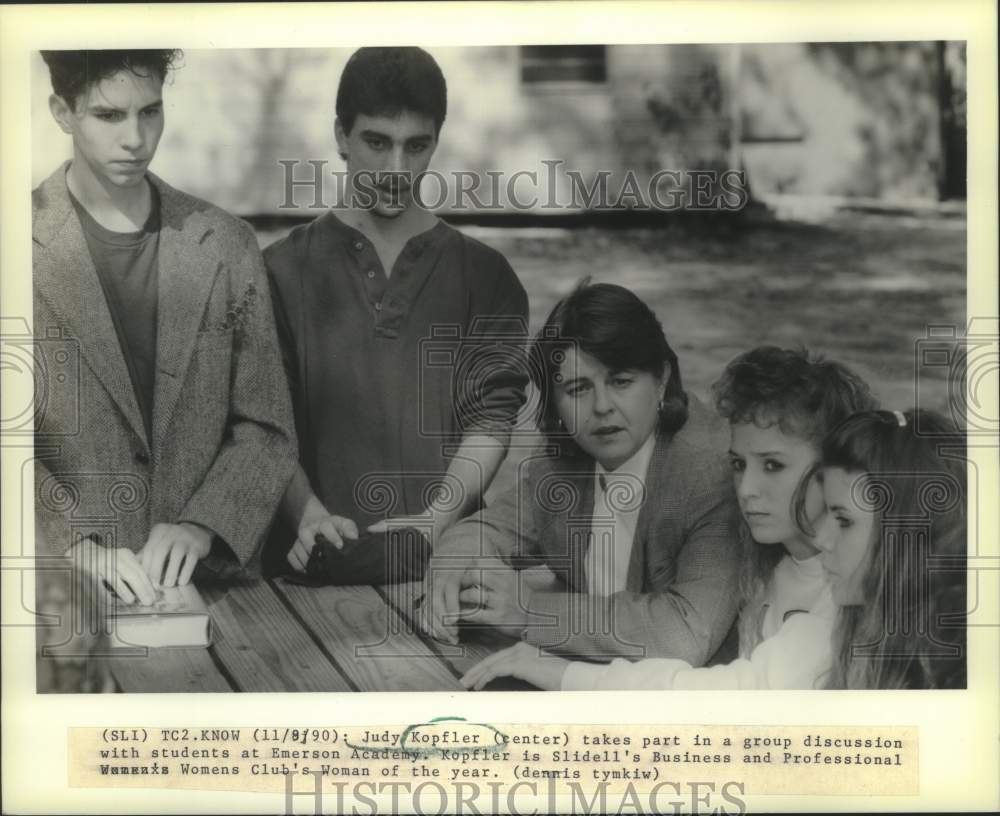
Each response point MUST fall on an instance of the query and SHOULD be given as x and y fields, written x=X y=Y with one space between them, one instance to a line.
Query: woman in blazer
x=630 y=504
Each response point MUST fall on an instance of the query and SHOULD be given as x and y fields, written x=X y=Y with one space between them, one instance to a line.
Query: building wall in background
x=849 y=119
x=859 y=119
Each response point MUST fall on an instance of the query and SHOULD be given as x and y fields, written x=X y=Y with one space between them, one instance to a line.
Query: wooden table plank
x=475 y=643
x=371 y=643
x=168 y=670
x=262 y=644
x=282 y=637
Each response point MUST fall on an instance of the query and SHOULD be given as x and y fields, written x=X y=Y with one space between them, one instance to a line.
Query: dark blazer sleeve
x=689 y=601
x=240 y=493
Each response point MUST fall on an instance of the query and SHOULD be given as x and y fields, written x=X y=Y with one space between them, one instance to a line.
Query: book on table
x=177 y=617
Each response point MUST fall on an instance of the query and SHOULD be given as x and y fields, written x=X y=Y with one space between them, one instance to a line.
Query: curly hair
x=74 y=72
x=806 y=396
x=388 y=81
x=910 y=630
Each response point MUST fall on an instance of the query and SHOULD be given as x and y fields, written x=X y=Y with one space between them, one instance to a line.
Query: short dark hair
x=388 y=81
x=73 y=72
x=804 y=394
x=616 y=327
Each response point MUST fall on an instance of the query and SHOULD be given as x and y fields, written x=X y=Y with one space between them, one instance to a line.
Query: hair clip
x=900 y=418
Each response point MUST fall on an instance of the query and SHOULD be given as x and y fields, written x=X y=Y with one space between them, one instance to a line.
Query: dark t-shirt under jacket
x=127 y=267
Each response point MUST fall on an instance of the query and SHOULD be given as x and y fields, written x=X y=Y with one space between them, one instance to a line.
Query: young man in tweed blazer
x=163 y=425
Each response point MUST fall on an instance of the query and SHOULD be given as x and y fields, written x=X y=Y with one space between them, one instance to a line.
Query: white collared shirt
x=618 y=498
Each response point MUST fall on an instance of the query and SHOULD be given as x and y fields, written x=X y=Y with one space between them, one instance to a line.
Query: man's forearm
x=299 y=499
x=472 y=469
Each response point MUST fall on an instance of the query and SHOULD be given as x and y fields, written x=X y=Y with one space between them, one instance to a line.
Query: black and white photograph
x=301 y=390
x=557 y=365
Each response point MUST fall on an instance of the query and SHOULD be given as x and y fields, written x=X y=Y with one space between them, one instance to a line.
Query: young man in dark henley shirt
x=402 y=336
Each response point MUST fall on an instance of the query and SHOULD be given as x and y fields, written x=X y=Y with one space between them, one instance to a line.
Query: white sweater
x=794 y=587
x=797 y=656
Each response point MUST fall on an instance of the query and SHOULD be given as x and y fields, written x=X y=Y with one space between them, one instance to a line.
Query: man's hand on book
x=116 y=569
x=173 y=550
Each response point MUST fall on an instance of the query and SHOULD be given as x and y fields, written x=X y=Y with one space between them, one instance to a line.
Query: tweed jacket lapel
x=64 y=274
x=187 y=272
x=656 y=499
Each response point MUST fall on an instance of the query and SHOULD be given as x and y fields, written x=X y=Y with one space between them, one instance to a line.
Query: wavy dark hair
x=805 y=395
x=616 y=327
x=388 y=81
x=74 y=72
x=910 y=630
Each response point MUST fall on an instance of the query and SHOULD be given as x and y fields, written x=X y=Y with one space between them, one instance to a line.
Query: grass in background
x=861 y=288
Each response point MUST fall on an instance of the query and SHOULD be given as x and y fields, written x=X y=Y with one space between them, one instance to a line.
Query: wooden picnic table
x=274 y=635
